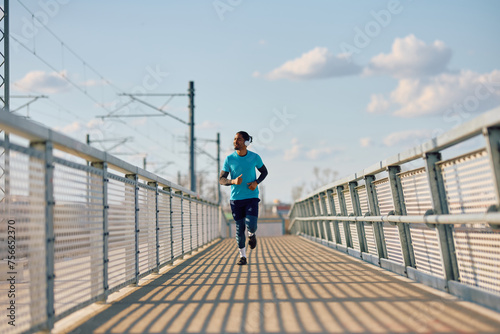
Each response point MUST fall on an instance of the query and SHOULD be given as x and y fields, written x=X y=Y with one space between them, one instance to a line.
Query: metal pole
x=6 y=48
x=191 y=137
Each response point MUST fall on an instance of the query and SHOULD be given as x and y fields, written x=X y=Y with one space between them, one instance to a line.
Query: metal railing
x=437 y=224
x=78 y=224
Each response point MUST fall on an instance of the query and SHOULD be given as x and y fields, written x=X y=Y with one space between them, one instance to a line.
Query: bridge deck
x=290 y=285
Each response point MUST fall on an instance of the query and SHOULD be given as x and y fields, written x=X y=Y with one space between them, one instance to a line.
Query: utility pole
x=190 y=123
x=191 y=137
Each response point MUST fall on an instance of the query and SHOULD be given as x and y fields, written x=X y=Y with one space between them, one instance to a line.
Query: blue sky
x=327 y=84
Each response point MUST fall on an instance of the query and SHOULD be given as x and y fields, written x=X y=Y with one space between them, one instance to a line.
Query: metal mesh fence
x=478 y=254
x=468 y=183
x=121 y=220
x=393 y=243
x=177 y=217
x=22 y=216
x=370 y=239
x=164 y=232
x=416 y=191
x=147 y=229
x=426 y=248
x=363 y=199
x=78 y=230
x=384 y=196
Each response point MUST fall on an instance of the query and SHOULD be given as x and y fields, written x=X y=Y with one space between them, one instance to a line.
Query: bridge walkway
x=291 y=285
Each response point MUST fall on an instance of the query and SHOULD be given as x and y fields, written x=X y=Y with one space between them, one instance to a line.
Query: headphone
x=248 y=142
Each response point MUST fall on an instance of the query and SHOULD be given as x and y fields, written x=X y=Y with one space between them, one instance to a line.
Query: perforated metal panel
x=187 y=226
x=468 y=183
x=416 y=191
x=337 y=203
x=370 y=239
x=363 y=199
x=425 y=243
x=393 y=243
x=147 y=228
x=348 y=201
x=121 y=221
x=164 y=233
x=23 y=209
x=342 y=234
x=384 y=196
x=177 y=225
x=354 y=236
x=478 y=253
x=78 y=230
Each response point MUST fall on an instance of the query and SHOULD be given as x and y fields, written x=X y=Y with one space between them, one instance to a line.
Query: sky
x=331 y=85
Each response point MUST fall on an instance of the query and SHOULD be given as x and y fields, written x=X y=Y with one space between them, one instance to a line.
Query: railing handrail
x=37 y=132
x=492 y=218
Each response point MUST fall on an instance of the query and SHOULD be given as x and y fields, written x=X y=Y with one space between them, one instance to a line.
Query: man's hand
x=252 y=185
x=237 y=180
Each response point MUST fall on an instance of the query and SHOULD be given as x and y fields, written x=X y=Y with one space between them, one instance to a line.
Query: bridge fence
x=437 y=224
x=78 y=224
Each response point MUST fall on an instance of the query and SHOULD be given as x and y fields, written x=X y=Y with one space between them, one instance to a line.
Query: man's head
x=241 y=140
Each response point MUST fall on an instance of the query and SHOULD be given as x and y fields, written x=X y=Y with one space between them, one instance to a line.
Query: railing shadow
x=289 y=286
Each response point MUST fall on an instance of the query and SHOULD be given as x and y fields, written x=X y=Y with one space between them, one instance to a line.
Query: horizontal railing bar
x=35 y=132
x=470 y=218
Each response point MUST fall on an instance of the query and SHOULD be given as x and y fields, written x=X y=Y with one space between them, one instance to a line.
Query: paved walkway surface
x=290 y=285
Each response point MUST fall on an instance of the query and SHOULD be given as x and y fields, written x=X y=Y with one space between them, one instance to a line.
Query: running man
x=244 y=199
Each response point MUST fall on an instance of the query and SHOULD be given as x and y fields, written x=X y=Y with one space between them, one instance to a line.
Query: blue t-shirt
x=236 y=166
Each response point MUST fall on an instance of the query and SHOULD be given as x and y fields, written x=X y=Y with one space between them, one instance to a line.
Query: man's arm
x=262 y=176
x=223 y=180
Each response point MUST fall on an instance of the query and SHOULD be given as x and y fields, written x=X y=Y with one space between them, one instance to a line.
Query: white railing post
x=440 y=207
x=492 y=136
x=105 y=227
x=336 y=230
x=326 y=223
x=135 y=179
x=343 y=212
x=400 y=209
x=157 y=226
x=47 y=148
x=378 y=228
x=357 y=212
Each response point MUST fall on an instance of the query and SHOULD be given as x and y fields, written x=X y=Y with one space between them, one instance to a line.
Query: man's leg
x=252 y=213
x=239 y=217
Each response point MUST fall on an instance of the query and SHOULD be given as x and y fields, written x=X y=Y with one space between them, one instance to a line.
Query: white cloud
x=298 y=151
x=411 y=57
x=321 y=152
x=465 y=92
x=365 y=142
x=316 y=64
x=294 y=152
x=378 y=104
x=208 y=125
x=42 y=82
x=408 y=138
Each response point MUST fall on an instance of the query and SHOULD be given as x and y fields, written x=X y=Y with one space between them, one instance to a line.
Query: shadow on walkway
x=289 y=286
